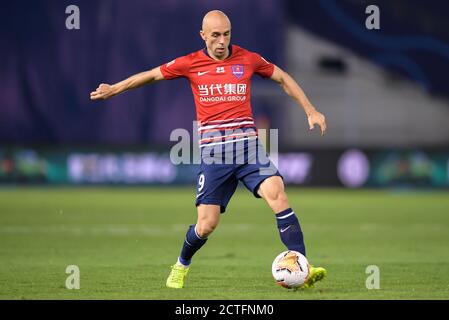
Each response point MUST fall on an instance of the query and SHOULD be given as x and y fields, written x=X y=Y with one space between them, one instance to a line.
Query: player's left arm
x=292 y=88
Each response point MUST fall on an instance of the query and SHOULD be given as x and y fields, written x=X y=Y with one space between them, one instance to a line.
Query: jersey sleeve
x=262 y=67
x=176 y=68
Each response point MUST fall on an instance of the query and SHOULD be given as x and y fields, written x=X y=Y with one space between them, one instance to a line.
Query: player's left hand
x=319 y=119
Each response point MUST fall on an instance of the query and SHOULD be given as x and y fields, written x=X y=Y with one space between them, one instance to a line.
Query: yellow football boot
x=177 y=276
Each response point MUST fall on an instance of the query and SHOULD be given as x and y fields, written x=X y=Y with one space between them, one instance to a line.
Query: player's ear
x=203 y=35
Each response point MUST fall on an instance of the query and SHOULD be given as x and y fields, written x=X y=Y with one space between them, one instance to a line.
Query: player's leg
x=269 y=185
x=196 y=236
x=272 y=191
x=263 y=179
x=208 y=219
x=215 y=187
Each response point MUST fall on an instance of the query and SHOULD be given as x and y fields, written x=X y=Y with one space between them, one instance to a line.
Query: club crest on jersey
x=237 y=70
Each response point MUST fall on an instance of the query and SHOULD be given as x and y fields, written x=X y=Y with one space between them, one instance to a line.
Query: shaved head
x=216 y=33
x=215 y=18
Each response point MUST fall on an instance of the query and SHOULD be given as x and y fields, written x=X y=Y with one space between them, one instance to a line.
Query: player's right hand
x=103 y=91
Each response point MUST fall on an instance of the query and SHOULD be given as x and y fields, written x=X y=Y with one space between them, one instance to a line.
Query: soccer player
x=220 y=76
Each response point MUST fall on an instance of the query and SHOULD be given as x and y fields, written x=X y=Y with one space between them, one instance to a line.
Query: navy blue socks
x=290 y=231
x=192 y=243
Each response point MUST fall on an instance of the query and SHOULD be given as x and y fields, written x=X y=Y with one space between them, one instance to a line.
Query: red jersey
x=221 y=88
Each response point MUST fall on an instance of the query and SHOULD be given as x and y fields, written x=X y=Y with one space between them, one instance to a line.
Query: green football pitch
x=123 y=240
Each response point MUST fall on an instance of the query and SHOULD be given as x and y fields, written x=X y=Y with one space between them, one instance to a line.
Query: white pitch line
x=110 y=230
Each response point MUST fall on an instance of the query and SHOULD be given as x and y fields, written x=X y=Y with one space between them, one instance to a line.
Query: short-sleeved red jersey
x=221 y=88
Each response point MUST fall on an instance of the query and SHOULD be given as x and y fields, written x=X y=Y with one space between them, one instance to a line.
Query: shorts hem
x=211 y=201
x=256 y=188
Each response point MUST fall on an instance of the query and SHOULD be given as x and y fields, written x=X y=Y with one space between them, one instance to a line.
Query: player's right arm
x=292 y=88
x=105 y=91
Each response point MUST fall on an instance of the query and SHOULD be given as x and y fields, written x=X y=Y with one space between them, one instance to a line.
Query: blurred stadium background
x=384 y=93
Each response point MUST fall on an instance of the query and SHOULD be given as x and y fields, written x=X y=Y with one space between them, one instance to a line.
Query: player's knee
x=276 y=194
x=281 y=199
x=282 y=196
x=205 y=228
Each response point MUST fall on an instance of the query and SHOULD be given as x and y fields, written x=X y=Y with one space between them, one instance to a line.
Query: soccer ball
x=290 y=269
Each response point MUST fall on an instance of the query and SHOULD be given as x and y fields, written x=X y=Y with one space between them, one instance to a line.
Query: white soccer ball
x=290 y=269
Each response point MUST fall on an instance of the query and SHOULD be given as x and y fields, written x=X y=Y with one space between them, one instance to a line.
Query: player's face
x=216 y=33
x=217 y=42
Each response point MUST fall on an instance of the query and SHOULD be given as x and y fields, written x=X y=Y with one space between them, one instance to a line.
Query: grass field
x=124 y=239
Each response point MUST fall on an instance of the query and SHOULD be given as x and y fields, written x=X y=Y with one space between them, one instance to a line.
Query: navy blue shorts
x=221 y=170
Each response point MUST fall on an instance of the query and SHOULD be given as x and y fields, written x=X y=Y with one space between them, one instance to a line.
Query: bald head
x=216 y=33
x=214 y=19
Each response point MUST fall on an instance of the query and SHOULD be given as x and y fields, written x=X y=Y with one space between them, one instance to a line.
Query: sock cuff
x=196 y=233
x=285 y=214
x=286 y=217
x=192 y=237
x=184 y=262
